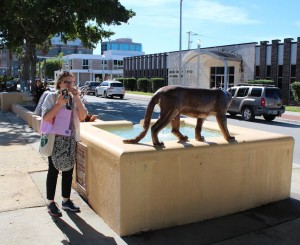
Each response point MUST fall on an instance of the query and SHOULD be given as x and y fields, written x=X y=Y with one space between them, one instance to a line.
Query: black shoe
x=54 y=210
x=69 y=205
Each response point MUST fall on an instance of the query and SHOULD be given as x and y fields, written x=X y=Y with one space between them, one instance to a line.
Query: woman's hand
x=61 y=101
x=75 y=91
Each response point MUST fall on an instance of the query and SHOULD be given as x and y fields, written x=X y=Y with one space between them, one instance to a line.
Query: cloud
x=164 y=14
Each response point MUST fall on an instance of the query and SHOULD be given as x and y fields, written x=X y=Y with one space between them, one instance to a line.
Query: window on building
x=85 y=64
x=217 y=77
x=257 y=72
x=114 y=46
x=124 y=46
x=138 y=48
x=118 y=64
x=132 y=47
x=104 y=65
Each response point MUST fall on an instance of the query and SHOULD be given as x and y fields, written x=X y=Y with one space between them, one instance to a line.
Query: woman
x=39 y=90
x=63 y=157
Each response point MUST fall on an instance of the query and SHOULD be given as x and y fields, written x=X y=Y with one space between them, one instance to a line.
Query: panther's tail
x=147 y=120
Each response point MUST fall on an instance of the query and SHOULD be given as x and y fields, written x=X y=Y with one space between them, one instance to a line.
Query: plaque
x=81 y=158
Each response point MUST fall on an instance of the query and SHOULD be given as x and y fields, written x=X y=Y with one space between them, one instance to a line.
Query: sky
x=216 y=23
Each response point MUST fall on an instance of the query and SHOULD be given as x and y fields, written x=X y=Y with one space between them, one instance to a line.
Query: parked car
x=10 y=86
x=89 y=87
x=110 y=89
x=256 y=100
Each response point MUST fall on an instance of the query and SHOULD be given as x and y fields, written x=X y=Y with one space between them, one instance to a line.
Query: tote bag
x=46 y=144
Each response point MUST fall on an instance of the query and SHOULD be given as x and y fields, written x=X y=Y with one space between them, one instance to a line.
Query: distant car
x=11 y=85
x=256 y=100
x=90 y=86
x=110 y=88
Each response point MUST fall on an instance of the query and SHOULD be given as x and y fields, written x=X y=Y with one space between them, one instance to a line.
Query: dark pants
x=66 y=182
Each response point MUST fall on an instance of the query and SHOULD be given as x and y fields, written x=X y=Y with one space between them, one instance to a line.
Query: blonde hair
x=60 y=78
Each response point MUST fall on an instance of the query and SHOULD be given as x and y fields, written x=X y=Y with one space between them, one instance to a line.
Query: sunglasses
x=68 y=82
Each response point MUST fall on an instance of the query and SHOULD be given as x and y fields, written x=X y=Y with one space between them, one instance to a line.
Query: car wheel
x=232 y=114
x=96 y=94
x=247 y=113
x=121 y=97
x=105 y=95
x=269 y=117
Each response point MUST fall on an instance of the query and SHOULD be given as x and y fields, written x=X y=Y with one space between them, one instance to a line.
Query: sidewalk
x=291 y=116
x=24 y=218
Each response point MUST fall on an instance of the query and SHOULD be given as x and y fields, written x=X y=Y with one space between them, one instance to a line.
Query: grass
x=287 y=108
x=137 y=92
x=292 y=108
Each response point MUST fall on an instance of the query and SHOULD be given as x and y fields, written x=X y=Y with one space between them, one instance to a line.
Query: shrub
x=261 y=81
x=129 y=83
x=157 y=83
x=295 y=86
x=144 y=85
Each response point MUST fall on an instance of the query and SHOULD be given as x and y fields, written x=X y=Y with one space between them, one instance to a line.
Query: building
x=223 y=66
x=121 y=44
x=10 y=65
x=57 y=47
x=90 y=67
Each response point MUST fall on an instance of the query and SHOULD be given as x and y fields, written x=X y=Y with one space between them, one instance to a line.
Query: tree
x=51 y=66
x=32 y=22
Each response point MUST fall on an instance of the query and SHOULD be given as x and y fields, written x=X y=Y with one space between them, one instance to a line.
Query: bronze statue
x=193 y=102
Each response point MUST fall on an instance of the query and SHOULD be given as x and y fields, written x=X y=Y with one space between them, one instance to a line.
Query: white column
x=225 y=74
x=198 y=61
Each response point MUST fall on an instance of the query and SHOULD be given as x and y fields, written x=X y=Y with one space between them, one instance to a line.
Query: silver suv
x=256 y=100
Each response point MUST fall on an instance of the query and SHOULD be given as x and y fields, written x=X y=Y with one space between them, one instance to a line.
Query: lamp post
x=180 y=38
x=90 y=70
x=103 y=75
x=198 y=61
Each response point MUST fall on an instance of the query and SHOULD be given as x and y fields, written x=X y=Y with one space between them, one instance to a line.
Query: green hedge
x=295 y=86
x=130 y=83
x=144 y=85
x=157 y=83
x=261 y=81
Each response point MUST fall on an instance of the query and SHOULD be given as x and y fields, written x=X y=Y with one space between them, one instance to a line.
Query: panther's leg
x=163 y=120
x=222 y=121
x=175 y=128
x=198 y=129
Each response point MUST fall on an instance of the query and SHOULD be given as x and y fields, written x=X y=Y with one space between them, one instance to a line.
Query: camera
x=65 y=93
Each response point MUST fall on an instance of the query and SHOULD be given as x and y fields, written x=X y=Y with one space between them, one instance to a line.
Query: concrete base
x=139 y=188
x=8 y=99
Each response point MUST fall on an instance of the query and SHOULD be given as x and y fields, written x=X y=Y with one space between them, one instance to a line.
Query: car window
x=273 y=93
x=242 y=92
x=232 y=91
x=256 y=92
x=119 y=85
x=95 y=84
x=104 y=84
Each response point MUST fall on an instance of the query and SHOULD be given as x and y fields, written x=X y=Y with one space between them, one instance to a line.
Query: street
x=133 y=107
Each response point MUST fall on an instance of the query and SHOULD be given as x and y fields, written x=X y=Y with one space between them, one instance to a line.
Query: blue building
x=123 y=44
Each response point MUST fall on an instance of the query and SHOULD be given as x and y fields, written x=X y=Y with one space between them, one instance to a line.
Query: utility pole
x=180 y=37
x=190 y=33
